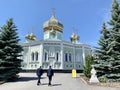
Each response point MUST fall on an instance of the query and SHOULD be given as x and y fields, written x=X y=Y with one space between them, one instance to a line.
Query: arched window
x=66 y=57
x=32 y=56
x=70 y=57
x=46 y=55
x=57 y=56
x=36 y=56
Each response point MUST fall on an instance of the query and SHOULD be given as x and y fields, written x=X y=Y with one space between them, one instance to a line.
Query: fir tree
x=101 y=65
x=10 y=63
x=114 y=46
x=108 y=63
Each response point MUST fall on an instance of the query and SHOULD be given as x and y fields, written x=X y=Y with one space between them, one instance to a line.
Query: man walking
x=50 y=73
x=39 y=73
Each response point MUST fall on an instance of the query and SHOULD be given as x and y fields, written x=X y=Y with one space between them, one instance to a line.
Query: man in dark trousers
x=50 y=73
x=39 y=73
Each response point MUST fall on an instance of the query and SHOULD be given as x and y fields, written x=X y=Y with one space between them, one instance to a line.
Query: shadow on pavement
x=52 y=84
x=56 y=84
x=28 y=78
x=44 y=84
x=24 y=79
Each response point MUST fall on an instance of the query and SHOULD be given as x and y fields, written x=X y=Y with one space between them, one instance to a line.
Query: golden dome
x=33 y=37
x=74 y=37
x=53 y=23
x=77 y=37
x=30 y=36
x=27 y=36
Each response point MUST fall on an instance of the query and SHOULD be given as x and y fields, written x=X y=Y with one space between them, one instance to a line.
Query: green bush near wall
x=87 y=67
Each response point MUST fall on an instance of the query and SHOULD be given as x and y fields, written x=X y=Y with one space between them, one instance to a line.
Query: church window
x=57 y=56
x=66 y=57
x=36 y=54
x=32 y=56
x=70 y=57
x=45 y=56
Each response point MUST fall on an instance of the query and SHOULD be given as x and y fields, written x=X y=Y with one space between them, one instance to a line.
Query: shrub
x=87 y=67
x=103 y=79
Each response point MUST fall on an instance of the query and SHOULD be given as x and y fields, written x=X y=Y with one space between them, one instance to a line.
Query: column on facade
x=41 y=54
x=29 y=57
x=74 y=57
x=62 y=56
x=83 y=54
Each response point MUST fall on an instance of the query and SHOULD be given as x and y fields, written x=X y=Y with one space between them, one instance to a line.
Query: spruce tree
x=102 y=65
x=114 y=46
x=108 y=63
x=10 y=63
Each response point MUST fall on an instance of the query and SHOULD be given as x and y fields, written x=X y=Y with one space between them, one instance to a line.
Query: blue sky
x=86 y=16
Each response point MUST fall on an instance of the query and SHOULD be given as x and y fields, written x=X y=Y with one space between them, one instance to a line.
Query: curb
x=84 y=81
x=1 y=82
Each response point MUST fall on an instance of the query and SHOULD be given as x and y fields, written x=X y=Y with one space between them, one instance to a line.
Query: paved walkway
x=60 y=82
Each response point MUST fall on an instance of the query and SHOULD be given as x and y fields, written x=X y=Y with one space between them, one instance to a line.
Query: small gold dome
x=30 y=36
x=77 y=37
x=74 y=37
x=33 y=37
x=27 y=36
x=53 y=23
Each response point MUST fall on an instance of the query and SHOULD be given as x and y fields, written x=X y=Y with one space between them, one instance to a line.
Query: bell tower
x=53 y=29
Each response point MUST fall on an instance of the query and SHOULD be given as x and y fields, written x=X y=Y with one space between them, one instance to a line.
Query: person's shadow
x=52 y=84
x=56 y=84
x=24 y=79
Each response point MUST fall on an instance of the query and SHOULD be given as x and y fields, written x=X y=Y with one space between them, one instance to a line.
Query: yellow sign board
x=74 y=73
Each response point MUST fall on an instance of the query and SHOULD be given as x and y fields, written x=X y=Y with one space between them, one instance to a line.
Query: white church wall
x=78 y=58
x=34 y=56
x=51 y=51
x=25 y=57
x=61 y=55
x=68 y=56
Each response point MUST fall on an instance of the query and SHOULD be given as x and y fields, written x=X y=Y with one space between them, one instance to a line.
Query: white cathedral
x=61 y=55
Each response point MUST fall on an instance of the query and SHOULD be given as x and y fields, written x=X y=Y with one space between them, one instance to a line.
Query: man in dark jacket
x=50 y=73
x=39 y=73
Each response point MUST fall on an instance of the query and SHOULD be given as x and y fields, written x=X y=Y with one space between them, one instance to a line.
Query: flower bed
x=108 y=84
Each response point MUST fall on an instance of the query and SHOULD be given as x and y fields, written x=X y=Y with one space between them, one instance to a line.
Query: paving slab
x=61 y=81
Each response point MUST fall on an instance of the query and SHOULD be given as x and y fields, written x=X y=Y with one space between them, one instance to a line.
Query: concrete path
x=60 y=82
